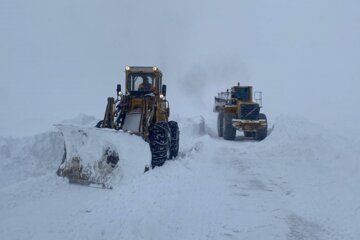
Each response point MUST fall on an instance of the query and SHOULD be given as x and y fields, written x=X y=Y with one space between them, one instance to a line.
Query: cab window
x=241 y=93
x=141 y=82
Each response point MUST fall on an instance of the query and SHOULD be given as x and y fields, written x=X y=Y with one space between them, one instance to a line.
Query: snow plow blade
x=95 y=156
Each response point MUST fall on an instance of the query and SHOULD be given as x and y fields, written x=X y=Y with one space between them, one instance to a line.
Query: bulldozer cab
x=143 y=80
x=243 y=94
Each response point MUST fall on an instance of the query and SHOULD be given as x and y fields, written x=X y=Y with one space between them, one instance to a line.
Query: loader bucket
x=93 y=155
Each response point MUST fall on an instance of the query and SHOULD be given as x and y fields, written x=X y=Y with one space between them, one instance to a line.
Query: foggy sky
x=62 y=58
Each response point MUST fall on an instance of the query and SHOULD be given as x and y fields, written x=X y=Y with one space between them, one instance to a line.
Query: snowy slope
x=299 y=183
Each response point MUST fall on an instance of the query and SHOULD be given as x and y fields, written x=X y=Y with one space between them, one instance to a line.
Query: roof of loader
x=142 y=69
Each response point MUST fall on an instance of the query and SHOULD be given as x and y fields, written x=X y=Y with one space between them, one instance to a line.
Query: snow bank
x=28 y=157
x=298 y=138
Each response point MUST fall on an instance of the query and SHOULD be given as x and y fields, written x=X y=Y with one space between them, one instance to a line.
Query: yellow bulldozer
x=142 y=110
x=238 y=110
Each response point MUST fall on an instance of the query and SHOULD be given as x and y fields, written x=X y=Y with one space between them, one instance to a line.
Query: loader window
x=141 y=82
x=241 y=93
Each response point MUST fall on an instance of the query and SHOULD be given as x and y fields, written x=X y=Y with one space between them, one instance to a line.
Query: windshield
x=241 y=93
x=143 y=82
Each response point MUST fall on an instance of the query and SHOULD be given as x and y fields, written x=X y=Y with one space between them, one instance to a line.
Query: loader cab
x=142 y=80
x=242 y=93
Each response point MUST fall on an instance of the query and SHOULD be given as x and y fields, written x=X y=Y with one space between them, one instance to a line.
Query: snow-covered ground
x=299 y=183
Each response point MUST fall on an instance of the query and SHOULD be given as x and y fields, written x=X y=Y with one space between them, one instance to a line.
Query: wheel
x=159 y=139
x=229 y=130
x=262 y=132
x=249 y=134
x=174 y=142
x=100 y=124
x=220 y=124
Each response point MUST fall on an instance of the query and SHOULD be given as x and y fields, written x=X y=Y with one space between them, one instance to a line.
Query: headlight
x=120 y=93
x=155 y=68
x=162 y=96
x=127 y=68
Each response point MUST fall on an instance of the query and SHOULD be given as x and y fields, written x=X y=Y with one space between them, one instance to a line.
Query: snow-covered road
x=299 y=183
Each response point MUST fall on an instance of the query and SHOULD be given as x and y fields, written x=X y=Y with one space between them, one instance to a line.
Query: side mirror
x=163 y=90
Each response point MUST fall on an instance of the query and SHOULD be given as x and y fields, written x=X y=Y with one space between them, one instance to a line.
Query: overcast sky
x=62 y=58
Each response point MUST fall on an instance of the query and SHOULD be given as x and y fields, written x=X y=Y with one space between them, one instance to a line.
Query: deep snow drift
x=299 y=183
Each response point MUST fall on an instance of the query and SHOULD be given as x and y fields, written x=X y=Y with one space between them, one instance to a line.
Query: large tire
x=262 y=132
x=159 y=138
x=220 y=124
x=229 y=130
x=174 y=142
x=100 y=124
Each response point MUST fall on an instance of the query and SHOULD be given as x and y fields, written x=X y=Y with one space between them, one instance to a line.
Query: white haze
x=62 y=58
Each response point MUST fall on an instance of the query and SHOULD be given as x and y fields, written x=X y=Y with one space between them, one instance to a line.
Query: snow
x=81 y=120
x=90 y=144
x=299 y=183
